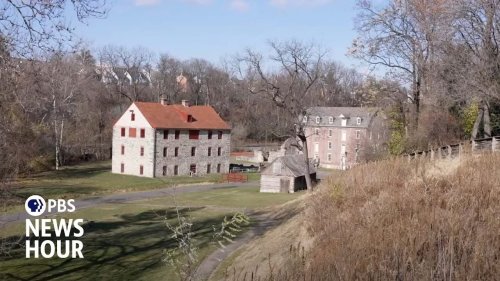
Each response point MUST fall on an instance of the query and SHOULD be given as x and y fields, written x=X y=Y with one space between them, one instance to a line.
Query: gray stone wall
x=184 y=159
x=132 y=158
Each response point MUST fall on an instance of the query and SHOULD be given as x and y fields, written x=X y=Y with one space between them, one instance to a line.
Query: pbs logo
x=35 y=205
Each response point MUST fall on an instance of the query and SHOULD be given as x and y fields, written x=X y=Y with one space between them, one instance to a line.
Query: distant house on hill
x=157 y=139
x=286 y=174
x=340 y=137
x=123 y=76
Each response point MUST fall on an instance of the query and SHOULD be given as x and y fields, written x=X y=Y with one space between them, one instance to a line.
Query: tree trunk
x=416 y=100
x=56 y=138
x=486 y=120
x=475 y=128
x=306 y=156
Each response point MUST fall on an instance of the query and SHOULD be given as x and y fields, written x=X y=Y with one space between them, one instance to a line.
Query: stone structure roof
x=181 y=117
x=289 y=165
x=332 y=116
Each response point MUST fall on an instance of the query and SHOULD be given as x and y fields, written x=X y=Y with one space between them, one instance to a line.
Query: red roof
x=176 y=116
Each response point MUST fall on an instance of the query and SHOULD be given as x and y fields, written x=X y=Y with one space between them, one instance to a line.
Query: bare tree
x=477 y=25
x=35 y=25
x=128 y=70
x=165 y=78
x=402 y=37
x=290 y=86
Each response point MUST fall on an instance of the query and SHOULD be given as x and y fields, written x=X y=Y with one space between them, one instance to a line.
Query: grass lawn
x=96 y=178
x=126 y=241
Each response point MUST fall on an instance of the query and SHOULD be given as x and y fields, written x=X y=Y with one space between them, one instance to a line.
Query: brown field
x=395 y=220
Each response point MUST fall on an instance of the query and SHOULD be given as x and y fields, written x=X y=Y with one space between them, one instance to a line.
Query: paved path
x=128 y=197
x=264 y=223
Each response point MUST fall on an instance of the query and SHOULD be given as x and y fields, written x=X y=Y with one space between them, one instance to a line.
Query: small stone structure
x=286 y=174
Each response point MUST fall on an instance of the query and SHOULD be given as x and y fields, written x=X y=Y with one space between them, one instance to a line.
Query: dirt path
x=265 y=221
x=127 y=197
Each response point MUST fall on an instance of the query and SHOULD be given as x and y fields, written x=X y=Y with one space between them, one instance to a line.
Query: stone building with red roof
x=159 y=140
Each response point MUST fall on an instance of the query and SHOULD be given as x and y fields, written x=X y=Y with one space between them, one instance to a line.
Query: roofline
x=184 y=128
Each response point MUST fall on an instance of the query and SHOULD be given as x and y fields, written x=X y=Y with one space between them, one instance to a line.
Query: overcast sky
x=212 y=29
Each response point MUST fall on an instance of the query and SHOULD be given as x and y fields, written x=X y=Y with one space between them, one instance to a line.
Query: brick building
x=340 y=137
x=157 y=139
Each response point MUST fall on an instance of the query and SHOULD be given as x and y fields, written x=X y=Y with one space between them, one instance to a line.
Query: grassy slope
x=126 y=241
x=395 y=220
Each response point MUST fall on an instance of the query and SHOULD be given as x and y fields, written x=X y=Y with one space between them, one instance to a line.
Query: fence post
x=449 y=152
x=493 y=144
x=473 y=146
x=432 y=154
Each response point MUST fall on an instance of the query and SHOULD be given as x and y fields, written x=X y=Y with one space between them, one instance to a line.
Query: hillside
x=389 y=220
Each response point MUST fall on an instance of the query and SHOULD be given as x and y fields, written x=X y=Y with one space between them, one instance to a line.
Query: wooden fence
x=456 y=150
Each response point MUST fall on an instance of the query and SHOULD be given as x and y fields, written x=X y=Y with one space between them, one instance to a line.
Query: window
x=208 y=168
x=164 y=171
x=342 y=150
x=177 y=133
x=330 y=133
x=330 y=120
x=358 y=121
x=132 y=116
x=190 y=118
x=316 y=147
x=192 y=168
x=316 y=131
x=194 y=134
x=176 y=152
x=329 y=145
x=123 y=150
x=165 y=151
x=218 y=168
x=209 y=151
x=219 y=151
x=358 y=147
x=193 y=151
x=358 y=134
x=219 y=135
x=176 y=170
x=123 y=132
x=165 y=134
x=344 y=122
x=329 y=157
x=209 y=135
x=344 y=135
x=132 y=132
x=318 y=119
x=141 y=170
x=142 y=150
x=143 y=133
x=122 y=168
x=305 y=119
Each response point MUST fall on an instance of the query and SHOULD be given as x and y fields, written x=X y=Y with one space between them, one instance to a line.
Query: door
x=284 y=184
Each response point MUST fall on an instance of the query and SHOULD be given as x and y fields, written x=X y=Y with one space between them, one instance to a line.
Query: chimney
x=163 y=101
x=185 y=103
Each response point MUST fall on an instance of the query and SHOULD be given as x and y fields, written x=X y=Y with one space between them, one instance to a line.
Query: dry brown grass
x=393 y=220
x=267 y=254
